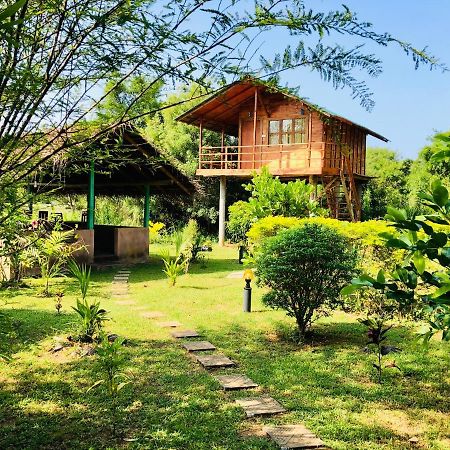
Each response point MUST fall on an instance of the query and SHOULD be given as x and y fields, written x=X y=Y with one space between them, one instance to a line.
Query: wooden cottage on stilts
x=293 y=138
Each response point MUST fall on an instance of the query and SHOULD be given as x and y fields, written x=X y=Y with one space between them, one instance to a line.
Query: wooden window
x=288 y=131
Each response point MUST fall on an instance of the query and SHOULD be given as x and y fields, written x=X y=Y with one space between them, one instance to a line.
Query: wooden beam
x=264 y=106
x=164 y=170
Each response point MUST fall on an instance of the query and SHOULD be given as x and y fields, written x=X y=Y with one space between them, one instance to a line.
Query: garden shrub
x=271 y=197
x=304 y=269
x=240 y=220
x=363 y=235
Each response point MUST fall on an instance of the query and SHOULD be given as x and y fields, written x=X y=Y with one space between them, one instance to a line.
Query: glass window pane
x=274 y=139
x=287 y=125
x=274 y=126
x=299 y=125
x=299 y=138
x=286 y=138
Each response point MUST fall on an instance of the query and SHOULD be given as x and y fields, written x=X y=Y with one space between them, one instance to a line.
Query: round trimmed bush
x=305 y=268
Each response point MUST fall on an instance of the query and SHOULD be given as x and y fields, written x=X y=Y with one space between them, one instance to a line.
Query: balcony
x=281 y=159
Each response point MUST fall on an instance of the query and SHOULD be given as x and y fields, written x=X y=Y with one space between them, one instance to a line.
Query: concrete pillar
x=222 y=209
x=146 y=206
x=91 y=198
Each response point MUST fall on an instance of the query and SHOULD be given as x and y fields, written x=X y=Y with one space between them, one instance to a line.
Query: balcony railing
x=280 y=156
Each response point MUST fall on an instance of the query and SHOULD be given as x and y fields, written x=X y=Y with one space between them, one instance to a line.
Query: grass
x=174 y=404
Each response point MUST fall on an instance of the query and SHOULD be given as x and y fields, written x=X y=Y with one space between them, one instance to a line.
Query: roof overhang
x=220 y=111
x=131 y=164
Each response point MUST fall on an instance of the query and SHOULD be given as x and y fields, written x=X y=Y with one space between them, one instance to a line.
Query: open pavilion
x=126 y=165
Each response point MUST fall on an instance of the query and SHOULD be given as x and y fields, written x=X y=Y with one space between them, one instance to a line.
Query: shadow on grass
x=25 y=327
x=169 y=403
x=322 y=381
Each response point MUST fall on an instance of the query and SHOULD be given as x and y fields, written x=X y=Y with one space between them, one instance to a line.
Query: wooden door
x=250 y=158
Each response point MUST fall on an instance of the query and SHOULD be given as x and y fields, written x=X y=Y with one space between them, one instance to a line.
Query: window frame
x=289 y=135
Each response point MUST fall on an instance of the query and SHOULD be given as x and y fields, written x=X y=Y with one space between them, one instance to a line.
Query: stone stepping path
x=185 y=334
x=235 y=275
x=152 y=314
x=198 y=346
x=214 y=361
x=294 y=437
x=119 y=288
x=125 y=302
x=173 y=324
x=260 y=406
x=285 y=436
x=235 y=382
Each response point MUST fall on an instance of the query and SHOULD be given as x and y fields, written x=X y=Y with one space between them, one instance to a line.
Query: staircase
x=342 y=193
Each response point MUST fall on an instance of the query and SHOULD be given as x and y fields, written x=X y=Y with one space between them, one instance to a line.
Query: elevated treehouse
x=292 y=137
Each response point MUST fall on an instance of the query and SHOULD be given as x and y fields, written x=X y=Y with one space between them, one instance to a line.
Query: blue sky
x=411 y=105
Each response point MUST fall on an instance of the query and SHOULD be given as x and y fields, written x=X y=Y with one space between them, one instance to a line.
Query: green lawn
x=174 y=404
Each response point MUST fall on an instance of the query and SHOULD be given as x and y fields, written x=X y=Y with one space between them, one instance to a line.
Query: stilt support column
x=222 y=209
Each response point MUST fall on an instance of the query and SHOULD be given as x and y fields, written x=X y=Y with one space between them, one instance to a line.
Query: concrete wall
x=131 y=244
x=86 y=239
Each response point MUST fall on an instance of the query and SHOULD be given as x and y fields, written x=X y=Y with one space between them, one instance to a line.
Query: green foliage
x=51 y=252
x=240 y=220
x=110 y=363
x=83 y=275
x=192 y=243
x=179 y=140
x=365 y=236
x=134 y=97
x=173 y=267
x=424 y=276
x=91 y=315
x=270 y=197
x=377 y=334
x=304 y=269
x=389 y=185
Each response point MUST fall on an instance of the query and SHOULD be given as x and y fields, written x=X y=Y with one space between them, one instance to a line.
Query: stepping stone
x=260 y=406
x=120 y=280
x=198 y=346
x=151 y=314
x=235 y=381
x=124 y=272
x=294 y=437
x=214 y=361
x=235 y=275
x=125 y=302
x=185 y=334
x=169 y=324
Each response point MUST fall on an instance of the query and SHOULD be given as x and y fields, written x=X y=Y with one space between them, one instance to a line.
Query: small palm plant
x=173 y=267
x=91 y=314
x=111 y=361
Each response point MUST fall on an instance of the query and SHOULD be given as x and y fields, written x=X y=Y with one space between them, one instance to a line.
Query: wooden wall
x=321 y=151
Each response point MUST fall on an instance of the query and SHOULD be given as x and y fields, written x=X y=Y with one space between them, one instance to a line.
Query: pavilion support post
x=222 y=210
x=91 y=198
x=146 y=206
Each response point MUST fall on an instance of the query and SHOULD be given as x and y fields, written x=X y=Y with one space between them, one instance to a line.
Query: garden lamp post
x=248 y=277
